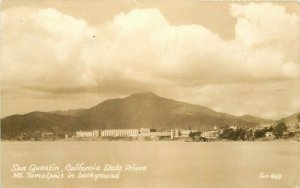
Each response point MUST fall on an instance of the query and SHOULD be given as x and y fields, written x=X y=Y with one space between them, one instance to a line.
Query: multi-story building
x=147 y=130
x=119 y=132
x=210 y=134
x=93 y=133
x=175 y=133
x=185 y=133
x=96 y=133
x=158 y=134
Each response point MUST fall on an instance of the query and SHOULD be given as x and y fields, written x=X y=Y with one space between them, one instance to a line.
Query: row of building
x=145 y=132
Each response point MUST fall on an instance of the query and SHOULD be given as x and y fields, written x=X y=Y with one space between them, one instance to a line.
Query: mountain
x=135 y=111
x=290 y=119
x=254 y=119
x=67 y=112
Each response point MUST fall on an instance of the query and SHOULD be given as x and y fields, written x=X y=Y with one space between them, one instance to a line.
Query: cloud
x=268 y=34
x=42 y=47
x=48 y=51
x=269 y=100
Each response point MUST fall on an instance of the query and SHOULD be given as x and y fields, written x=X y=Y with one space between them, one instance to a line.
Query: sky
x=238 y=58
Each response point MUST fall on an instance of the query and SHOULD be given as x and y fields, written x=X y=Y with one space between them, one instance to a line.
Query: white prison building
x=93 y=133
x=120 y=132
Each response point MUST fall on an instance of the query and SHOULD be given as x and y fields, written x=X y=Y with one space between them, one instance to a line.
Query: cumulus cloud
x=42 y=47
x=269 y=100
x=51 y=52
x=268 y=34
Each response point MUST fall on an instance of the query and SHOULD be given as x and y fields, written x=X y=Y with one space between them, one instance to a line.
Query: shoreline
x=136 y=141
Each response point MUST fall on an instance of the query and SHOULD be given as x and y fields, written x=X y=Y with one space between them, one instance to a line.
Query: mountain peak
x=143 y=94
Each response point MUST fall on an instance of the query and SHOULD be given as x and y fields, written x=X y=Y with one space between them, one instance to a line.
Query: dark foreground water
x=169 y=164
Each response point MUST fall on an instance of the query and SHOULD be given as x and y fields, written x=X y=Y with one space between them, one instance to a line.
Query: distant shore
x=164 y=140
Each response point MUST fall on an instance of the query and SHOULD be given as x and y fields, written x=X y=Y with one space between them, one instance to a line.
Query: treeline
x=278 y=131
x=236 y=134
x=250 y=134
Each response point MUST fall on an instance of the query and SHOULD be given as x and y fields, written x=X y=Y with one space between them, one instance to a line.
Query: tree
x=279 y=129
x=298 y=117
x=227 y=134
x=231 y=134
x=270 y=129
x=259 y=133
x=241 y=133
x=194 y=134
x=249 y=134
